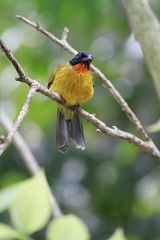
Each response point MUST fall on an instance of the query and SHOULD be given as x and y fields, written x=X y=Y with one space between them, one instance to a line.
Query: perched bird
x=74 y=82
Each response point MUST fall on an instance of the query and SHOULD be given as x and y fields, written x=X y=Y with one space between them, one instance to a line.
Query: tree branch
x=146 y=28
x=97 y=72
x=28 y=158
x=11 y=57
x=19 y=142
x=146 y=145
x=61 y=42
x=19 y=120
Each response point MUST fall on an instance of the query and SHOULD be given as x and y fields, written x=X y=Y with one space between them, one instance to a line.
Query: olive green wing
x=53 y=74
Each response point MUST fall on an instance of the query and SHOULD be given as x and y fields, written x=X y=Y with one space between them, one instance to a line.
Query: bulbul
x=74 y=83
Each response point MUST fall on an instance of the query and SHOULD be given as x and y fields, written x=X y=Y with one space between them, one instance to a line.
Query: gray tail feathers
x=67 y=130
x=62 y=132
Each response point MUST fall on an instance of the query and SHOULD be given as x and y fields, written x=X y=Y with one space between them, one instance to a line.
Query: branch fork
x=145 y=143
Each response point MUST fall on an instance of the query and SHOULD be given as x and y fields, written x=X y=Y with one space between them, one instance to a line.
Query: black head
x=82 y=57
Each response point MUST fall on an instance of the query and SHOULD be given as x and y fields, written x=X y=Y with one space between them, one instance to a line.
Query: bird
x=73 y=81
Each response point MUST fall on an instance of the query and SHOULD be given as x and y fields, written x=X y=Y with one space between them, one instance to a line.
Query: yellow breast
x=74 y=84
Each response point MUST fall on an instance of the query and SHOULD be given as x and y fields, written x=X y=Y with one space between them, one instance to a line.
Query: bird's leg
x=75 y=107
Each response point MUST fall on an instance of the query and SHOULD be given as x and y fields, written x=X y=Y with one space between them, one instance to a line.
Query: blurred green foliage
x=112 y=183
x=28 y=205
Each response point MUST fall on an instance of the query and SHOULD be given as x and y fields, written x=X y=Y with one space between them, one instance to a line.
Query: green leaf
x=68 y=227
x=8 y=195
x=118 y=235
x=30 y=210
x=8 y=232
x=154 y=127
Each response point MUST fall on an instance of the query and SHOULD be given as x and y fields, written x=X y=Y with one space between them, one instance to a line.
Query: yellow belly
x=75 y=88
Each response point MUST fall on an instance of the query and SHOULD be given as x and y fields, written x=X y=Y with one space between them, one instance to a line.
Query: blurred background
x=112 y=183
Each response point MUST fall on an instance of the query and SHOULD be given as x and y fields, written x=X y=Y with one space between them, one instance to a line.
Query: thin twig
x=65 y=34
x=124 y=105
x=61 y=43
x=146 y=146
x=19 y=120
x=11 y=57
x=97 y=72
x=20 y=144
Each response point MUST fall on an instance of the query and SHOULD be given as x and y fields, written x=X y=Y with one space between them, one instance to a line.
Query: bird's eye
x=80 y=55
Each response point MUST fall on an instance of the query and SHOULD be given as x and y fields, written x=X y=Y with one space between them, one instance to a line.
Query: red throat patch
x=81 y=68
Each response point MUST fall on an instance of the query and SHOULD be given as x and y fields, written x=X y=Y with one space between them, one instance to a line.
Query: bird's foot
x=75 y=107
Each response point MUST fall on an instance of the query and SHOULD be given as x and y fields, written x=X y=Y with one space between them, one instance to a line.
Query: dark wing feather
x=53 y=74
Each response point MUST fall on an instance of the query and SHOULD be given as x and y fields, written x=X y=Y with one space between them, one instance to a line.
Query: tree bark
x=146 y=28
